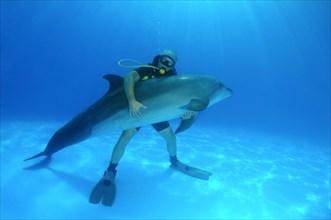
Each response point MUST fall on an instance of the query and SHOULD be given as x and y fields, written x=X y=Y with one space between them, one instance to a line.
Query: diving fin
x=105 y=190
x=191 y=171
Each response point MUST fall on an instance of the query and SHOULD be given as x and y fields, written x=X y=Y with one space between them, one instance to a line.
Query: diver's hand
x=135 y=107
x=188 y=115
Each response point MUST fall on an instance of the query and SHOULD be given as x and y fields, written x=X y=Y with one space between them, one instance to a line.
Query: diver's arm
x=134 y=105
x=129 y=81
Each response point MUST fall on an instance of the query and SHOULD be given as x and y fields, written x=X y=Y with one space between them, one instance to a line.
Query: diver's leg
x=170 y=137
x=105 y=189
x=119 y=148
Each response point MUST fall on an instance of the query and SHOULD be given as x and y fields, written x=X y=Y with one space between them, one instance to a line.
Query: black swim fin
x=191 y=171
x=105 y=190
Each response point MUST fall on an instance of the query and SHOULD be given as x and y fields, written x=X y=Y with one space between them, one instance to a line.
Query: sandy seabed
x=254 y=176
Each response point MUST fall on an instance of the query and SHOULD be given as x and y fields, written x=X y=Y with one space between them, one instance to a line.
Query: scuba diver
x=163 y=65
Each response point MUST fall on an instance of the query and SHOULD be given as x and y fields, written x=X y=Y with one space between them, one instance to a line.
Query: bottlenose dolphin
x=166 y=98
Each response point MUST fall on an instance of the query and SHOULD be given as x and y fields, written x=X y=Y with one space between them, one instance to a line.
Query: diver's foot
x=191 y=171
x=104 y=190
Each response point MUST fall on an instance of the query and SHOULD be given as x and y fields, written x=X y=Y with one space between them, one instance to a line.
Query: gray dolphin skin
x=166 y=98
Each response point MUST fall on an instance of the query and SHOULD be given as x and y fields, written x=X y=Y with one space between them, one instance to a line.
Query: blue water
x=268 y=145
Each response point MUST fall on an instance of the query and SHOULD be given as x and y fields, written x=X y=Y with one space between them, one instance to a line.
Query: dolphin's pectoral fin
x=186 y=123
x=114 y=81
x=197 y=105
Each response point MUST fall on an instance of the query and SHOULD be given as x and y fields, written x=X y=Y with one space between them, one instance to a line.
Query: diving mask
x=167 y=61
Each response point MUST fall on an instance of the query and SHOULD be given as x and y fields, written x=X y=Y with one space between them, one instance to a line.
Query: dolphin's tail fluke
x=37 y=155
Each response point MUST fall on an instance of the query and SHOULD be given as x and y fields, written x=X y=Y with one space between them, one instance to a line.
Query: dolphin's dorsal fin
x=114 y=81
